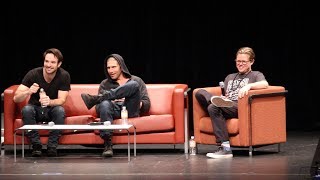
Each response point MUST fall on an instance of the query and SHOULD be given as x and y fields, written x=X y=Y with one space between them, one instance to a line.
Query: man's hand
x=244 y=91
x=44 y=101
x=34 y=88
x=119 y=100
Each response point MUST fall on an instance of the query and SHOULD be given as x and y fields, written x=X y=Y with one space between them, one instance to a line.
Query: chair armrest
x=198 y=112
x=262 y=116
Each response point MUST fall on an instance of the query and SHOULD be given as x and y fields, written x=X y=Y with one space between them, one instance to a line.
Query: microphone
x=221 y=84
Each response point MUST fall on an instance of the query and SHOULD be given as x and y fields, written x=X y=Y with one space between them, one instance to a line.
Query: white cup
x=107 y=123
x=51 y=123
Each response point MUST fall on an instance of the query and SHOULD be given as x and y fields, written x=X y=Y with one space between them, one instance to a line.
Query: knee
x=105 y=106
x=58 y=110
x=213 y=109
x=26 y=110
x=134 y=84
x=199 y=94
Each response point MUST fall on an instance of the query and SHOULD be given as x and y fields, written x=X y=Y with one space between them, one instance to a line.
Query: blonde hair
x=247 y=50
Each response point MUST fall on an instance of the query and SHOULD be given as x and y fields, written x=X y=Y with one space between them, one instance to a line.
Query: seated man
x=55 y=81
x=120 y=88
x=225 y=107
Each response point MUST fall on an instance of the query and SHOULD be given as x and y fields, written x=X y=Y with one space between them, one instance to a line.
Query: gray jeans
x=218 y=115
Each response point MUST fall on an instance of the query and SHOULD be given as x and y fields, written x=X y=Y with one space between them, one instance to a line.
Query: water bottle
x=221 y=84
x=42 y=94
x=192 y=146
x=124 y=116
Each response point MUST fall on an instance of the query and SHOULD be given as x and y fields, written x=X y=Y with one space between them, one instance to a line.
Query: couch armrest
x=9 y=113
x=262 y=116
x=179 y=105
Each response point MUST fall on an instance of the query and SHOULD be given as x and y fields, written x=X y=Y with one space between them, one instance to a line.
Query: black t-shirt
x=236 y=81
x=61 y=81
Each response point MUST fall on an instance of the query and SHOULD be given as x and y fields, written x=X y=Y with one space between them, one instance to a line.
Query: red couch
x=166 y=122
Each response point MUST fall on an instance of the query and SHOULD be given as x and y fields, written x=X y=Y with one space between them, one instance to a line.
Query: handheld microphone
x=221 y=84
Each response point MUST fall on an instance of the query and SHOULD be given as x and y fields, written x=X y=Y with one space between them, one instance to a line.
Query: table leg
x=128 y=144
x=15 y=146
x=22 y=143
x=134 y=141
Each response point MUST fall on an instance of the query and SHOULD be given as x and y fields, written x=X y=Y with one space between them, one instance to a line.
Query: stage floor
x=166 y=162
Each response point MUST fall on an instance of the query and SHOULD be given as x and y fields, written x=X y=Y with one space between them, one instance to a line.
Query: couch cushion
x=161 y=98
x=206 y=126
x=85 y=119
x=148 y=124
x=74 y=105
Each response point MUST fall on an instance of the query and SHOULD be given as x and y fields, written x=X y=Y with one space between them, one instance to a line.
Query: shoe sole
x=36 y=154
x=107 y=155
x=219 y=102
x=220 y=156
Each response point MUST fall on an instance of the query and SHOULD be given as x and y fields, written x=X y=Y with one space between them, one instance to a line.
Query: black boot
x=36 y=143
x=90 y=100
x=52 y=151
x=36 y=150
x=108 y=151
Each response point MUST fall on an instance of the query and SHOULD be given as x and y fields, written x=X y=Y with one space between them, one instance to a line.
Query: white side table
x=75 y=127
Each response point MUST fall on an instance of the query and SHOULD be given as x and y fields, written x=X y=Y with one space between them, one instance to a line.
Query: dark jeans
x=109 y=110
x=218 y=115
x=32 y=114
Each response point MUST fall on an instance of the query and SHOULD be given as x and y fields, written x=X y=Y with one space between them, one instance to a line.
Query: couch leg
x=186 y=122
x=250 y=151
x=186 y=132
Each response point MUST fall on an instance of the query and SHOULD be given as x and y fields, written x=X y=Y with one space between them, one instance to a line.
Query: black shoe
x=52 y=152
x=221 y=152
x=107 y=152
x=90 y=100
x=221 y=102
x=36 y=150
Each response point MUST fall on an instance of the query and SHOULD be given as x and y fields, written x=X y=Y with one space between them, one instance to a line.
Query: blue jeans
x=109 y=110
x=32 y=114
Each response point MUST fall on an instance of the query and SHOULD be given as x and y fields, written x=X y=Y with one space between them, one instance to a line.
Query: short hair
x=249 y=51
x=56 y=52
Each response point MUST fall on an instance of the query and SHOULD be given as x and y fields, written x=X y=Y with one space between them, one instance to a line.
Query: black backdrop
x=192 y=43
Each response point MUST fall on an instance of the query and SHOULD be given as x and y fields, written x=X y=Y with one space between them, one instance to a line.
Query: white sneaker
x=221 y=102
x=220 y=153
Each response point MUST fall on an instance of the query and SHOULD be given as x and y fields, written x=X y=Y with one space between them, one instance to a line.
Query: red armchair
x=261 y=119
